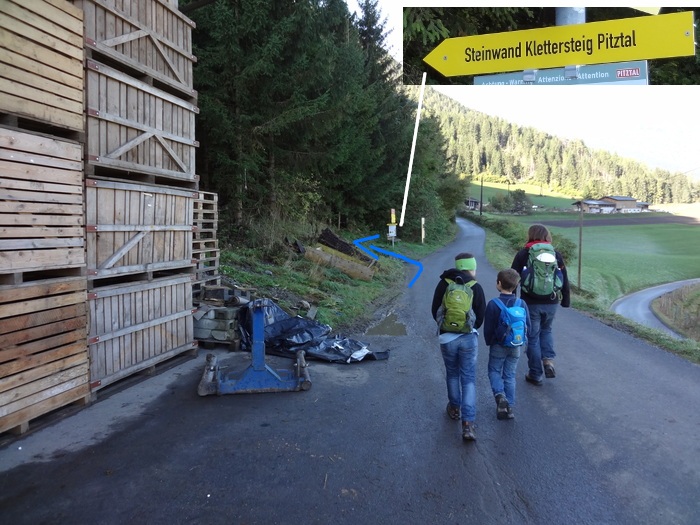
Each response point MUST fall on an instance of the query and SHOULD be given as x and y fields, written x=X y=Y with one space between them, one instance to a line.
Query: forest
x=305 y=120
x=477 y=143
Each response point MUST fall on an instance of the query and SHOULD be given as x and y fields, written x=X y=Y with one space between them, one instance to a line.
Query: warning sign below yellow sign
x=642 y=38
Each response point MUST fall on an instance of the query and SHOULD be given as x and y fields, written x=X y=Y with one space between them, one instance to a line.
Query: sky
x=656 y=125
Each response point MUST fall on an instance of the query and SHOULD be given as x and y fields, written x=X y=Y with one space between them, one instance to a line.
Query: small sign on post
x=392 y=227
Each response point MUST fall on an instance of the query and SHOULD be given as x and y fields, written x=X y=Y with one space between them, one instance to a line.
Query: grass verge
x=342 y=302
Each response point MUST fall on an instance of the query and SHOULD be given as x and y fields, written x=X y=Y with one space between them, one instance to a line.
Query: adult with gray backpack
x=458 y=308
x=544 y=285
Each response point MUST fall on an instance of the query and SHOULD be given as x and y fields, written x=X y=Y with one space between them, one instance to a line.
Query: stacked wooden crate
x=140 y=185
x=43 y=284
x=205 y=244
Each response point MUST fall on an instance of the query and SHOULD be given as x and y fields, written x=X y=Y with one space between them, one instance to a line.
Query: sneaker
x=501 y=406
x=468 y=431
x=509 y=414
x=549 y=369
x=453 y=411
x=536 y=382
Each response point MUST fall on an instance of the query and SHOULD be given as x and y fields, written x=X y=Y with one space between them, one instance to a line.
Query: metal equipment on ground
x=258 y=376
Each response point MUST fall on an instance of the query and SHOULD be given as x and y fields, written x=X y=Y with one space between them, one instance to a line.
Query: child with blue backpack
x=506 y=325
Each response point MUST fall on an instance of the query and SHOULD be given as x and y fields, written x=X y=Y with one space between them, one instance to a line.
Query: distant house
x=612 y=204
x=623 y=204
x=472 y=204
x=594 y=206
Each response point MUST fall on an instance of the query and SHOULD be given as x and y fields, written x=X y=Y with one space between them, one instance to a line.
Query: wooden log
x=330 y=239
x=348 y=267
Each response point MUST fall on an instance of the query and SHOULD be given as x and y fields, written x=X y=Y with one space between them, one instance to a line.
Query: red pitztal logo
x=629 y=72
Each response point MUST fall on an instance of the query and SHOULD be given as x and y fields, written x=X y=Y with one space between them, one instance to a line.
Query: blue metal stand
x=258 y=377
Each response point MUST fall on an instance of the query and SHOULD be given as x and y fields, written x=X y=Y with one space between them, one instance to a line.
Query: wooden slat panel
x=134 y=127
x=32 y=361
x=34 y=319
x=150 y=36
x=40 y=187
x=42 y=345
x=68 y=181
x=58 y=400
x=139 y=322
x=128 y=226
x=41 y=289
x=45 y=370
x=41 y=389
x=41 y=303
x=41 y=66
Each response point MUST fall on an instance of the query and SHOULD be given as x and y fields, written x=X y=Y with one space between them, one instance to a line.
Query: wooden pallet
x=205 y=246
x=41 y=203
x=43 y=349
x=41 y=63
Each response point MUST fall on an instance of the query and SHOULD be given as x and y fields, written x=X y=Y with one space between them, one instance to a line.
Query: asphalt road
x=612 y=440
x=637 y=306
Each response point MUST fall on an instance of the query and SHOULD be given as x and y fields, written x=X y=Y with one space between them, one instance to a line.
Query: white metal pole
x=566 y=16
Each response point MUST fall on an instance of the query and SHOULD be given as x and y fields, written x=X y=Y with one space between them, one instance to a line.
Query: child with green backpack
x=544 y=285
x=458 y=308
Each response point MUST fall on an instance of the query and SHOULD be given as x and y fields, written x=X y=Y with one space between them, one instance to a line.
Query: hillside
x=481 y=145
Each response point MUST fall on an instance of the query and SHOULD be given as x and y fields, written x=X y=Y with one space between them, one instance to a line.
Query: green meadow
x=539 y=196
x=617 y=260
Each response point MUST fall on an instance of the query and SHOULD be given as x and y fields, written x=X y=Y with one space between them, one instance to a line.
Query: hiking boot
x=501 y=406
x=536 y=382
x=453 y=411
x=549 y=368
x=468 y=431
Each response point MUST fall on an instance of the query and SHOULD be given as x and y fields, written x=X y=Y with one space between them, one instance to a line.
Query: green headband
x=466 y=264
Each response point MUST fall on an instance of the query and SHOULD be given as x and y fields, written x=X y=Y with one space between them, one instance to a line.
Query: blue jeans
x=540 y=343
x=503 y=361
x=460 y=373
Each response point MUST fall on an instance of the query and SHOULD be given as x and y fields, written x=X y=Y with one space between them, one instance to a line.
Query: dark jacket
x=493 y=314
x=478 y=300
x=520 y=262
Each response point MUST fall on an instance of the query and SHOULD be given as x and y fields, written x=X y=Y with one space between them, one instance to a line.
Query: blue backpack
x=511 y=324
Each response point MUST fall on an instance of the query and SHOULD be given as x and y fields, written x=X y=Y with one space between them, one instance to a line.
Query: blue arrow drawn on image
x=358 y=243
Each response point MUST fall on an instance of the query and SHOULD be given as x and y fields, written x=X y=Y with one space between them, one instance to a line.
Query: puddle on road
x=388 y=326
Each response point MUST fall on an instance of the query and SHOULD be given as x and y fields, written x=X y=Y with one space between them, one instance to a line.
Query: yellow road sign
x=642 y=38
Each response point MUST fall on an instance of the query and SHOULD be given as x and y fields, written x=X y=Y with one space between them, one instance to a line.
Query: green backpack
x=457 y=307
x=542 y=276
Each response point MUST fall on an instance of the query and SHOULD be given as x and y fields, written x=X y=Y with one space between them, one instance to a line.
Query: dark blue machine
x=258 y=376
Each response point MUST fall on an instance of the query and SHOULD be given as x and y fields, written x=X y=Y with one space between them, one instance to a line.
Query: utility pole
x=481 y=198
x=570 y=16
